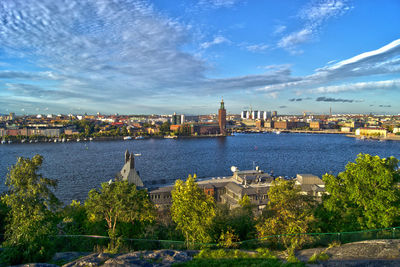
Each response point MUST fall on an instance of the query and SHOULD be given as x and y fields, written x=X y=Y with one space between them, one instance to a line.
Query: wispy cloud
x=256 y=48
x=280 y=29
x=216 y=41
x=313 y=16
x=384 y=60
x=218 y=3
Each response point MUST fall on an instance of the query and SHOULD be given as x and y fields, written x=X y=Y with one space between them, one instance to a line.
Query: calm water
x=82 y=166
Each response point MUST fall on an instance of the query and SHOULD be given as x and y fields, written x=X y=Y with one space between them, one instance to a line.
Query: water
x=82 y=166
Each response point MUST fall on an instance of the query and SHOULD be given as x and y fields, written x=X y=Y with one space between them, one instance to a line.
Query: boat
x=77 y=140
x=3 y=142
x=9 y=141
x=127 y=138
x=139 y=137
x=23 y=141
x=170 y=137
x=91 y=139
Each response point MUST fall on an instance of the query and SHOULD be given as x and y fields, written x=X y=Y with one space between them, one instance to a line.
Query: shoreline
x=121 y=138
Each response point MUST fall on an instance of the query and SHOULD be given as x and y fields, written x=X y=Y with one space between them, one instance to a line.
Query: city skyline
x=154 y=57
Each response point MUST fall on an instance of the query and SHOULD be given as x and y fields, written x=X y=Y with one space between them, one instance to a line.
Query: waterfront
x=84 y=165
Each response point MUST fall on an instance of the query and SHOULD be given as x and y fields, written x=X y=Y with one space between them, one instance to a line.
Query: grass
x=248 y=262
x=225 y=257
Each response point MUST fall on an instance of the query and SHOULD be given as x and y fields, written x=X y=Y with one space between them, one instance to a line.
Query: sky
x=160 y=56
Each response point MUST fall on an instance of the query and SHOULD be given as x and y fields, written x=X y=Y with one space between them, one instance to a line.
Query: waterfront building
x=378 y=132
x=243 y=115
x=128 y=171
x=222 y=118
x=255 y=114
x=275 y=114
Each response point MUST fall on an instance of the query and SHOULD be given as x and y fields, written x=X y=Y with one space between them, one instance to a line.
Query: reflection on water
x=84 y=165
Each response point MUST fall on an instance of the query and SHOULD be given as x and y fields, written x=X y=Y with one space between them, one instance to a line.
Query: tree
x=192 y=210
x=118 y=201
x=31 y=204
x=366 y=195
x=287 y=212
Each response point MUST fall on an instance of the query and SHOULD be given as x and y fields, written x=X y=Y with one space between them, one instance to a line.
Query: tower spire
x=222 y=103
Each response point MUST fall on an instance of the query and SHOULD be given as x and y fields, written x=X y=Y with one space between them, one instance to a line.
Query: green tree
x=30 y=219
x=192 y=210
x=118 y=201
x=366 y=195
x=164 y=128
x=287 y=212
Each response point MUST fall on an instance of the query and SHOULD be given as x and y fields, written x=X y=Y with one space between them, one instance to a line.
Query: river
x=82 y=166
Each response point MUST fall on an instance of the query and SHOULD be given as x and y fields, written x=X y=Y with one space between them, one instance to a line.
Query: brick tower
x=222 y=118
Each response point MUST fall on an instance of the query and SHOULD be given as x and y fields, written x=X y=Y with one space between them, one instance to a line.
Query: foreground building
x=128 y=171
x=230 y=190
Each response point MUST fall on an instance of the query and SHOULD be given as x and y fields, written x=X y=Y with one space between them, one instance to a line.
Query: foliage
x=30 y=219
x=240 y=220
x=366 y=195
x=73 y=219
x=228 y=239
x=4 y=209
x=287 y=212
x=234 y=253
x=165 y=128
x=118 y=202
x=224 y=257
x=317 y=257
x=192 y=211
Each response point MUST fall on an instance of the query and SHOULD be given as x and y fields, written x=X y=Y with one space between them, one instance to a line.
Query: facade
x=177 y=119
x=222 y=118
x=378 y=132
x=128 y=171
x=315 y=125
x=284 y=125
x=230 y=190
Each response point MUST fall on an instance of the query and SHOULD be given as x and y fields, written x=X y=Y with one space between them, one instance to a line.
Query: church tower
x=222 y=118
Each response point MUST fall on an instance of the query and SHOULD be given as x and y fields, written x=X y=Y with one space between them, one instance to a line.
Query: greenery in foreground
x=365 y=196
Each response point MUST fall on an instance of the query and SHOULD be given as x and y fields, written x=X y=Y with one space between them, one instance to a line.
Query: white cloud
x=382 y=61
x=295 y=38
x=257 y=47
x=218 y=3
x=217 y=40
x=279 y=29
x=360 y=86
x=313 y=15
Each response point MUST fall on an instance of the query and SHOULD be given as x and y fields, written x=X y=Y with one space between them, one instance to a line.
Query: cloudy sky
x=144 y=57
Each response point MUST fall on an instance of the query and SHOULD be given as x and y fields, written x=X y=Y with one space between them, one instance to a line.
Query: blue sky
x=144 y=57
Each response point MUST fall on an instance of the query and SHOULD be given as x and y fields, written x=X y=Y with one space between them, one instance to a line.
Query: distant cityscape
x=72 y=126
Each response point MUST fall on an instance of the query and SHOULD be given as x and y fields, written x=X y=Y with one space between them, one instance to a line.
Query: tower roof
x=222 y=103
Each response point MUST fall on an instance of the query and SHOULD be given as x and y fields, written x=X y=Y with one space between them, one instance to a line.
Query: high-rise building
x=244 y=114
x=222 y=118
x=176 y=119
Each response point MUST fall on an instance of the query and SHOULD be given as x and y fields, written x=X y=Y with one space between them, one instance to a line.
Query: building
x=372 y=132
x=128 y=171
x=243 y=115
x=310 y=185
x=315 y=125
x=284 y=125
x=177 y=119
x=230 y=190
x=222 y=118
